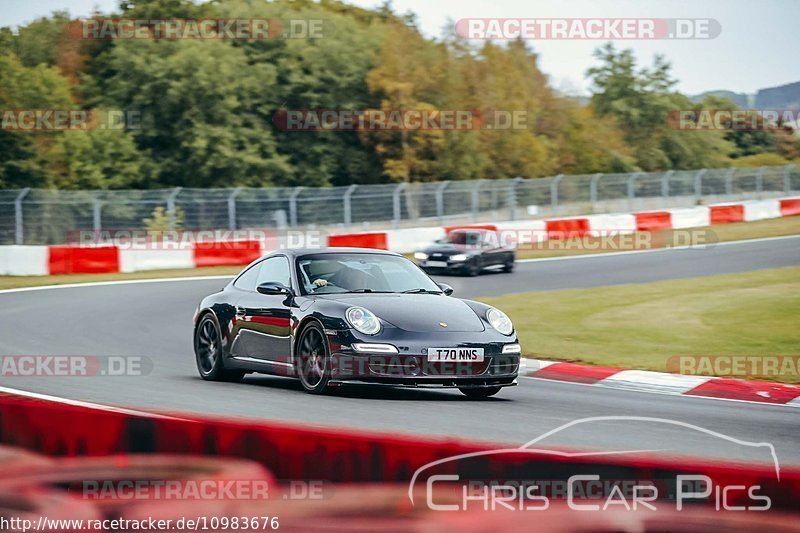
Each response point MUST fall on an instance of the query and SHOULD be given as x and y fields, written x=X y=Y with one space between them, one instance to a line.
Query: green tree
x=24 y=156
x=207 y=105
x=97 y=159
x=640 y=100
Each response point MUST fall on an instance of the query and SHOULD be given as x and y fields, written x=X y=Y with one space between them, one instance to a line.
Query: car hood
x=416 y=312
x=447 y=248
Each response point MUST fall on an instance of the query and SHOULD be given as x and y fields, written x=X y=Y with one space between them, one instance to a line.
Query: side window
x=247 y=280
x=275 y=269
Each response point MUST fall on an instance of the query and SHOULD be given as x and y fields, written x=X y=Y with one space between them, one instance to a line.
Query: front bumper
x=457 y=267
x=410 y=367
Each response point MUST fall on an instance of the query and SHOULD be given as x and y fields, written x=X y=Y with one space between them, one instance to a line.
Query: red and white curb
x=664 y=383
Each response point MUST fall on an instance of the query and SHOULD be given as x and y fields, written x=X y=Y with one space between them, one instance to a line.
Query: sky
x=759 y=45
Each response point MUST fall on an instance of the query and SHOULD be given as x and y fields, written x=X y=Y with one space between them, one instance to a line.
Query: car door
x=264 y=319
x=491 y=250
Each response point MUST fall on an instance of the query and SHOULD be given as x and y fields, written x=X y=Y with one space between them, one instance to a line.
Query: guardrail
x=188 y=250
x=34 y=216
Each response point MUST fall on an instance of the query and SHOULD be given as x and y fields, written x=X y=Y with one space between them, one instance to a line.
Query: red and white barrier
x=52 y=426
x=761 y=210
x=155 y=259
x=24 y=261
x=44 y=260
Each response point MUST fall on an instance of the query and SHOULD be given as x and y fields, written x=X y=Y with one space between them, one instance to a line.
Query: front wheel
x=480 y=392
x=208 y=352
x=311 y=359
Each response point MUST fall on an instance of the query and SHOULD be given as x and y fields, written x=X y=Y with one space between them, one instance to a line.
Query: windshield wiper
x=421 y=291
x=366 y=290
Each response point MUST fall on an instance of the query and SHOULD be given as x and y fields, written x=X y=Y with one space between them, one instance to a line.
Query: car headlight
x=422 y=256
x=499 y=321
x=363 y=320
x=459 y=257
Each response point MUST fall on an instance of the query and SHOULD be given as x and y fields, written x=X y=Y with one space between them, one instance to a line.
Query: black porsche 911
x=349 y=315
x=466 y=251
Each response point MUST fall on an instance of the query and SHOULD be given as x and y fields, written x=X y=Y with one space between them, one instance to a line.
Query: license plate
x=436 y=264
x=471 y=355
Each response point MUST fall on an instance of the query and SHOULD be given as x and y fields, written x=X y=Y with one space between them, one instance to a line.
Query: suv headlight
x=499 y=321
x=363 y=320
x=459 y=257
x=422 y=256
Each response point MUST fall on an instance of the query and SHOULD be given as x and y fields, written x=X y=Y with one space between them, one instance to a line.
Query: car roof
x=295 y=252
x=473 y=230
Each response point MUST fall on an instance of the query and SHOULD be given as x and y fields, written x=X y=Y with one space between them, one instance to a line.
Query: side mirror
x=274 y=288
x=446 y=289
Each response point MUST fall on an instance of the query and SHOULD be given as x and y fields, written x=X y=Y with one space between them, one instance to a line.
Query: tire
x=508 y=267
x=208 y=353
x=473 y=270
x=312 y=359
x=479 y=393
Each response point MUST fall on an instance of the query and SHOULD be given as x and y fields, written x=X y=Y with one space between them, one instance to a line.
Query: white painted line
x=87 y=405
x=108 y=283
x=648 y=380
x=655 y=250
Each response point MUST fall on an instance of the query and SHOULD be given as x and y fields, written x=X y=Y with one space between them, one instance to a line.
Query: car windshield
x=465 y=238
x=361 y=272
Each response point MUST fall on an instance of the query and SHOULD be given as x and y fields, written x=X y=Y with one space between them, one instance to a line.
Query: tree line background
x=209 y=106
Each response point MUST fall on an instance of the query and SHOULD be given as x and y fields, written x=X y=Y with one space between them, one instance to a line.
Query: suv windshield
x=356 y=272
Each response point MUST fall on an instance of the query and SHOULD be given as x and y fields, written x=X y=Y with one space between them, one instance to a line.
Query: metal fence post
x=347 y=206
x=293 y=206
x=760 y=182
x=632 y=187
x=593 y=190
x=440 y=200
x=397 y=206
x=18 y=230
x=232 y=208
x=698 y=183
x=476 y=200
x=729 y=181
x=97 y=207
x=554 y=192
x=512 y=197
x=787 y=178
x=171 y=206
x=665 y=187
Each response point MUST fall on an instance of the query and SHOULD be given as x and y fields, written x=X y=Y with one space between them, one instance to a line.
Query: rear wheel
x=508 y=267
x=208 y=352
x=311 y=360
x=479 y=392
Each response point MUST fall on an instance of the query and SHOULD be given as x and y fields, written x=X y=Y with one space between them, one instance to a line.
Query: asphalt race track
x=154 y=320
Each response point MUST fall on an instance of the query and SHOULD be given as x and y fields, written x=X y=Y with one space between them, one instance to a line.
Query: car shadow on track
x=365 y=392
